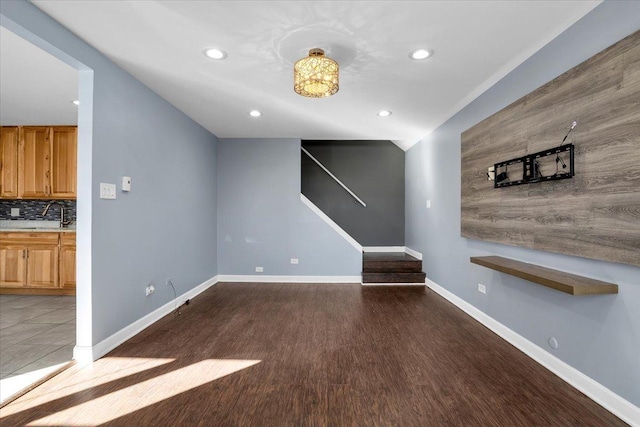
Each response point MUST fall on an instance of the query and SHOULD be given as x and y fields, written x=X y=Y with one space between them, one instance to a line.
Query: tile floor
x=35 y=332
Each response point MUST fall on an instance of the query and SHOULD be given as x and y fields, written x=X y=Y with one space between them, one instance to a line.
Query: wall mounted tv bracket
x=535 y=167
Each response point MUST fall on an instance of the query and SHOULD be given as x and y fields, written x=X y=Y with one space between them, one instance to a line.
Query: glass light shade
x=316 y=76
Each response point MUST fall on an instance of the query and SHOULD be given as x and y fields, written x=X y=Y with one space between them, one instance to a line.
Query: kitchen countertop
x=25 y=226
x=37 y=230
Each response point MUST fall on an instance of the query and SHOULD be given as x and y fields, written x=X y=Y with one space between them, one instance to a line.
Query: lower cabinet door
x=68 y=268
x=12 y=267
x=42 y=267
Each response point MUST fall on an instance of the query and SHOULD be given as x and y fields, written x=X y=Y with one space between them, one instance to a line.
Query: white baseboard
x=383 y=249
x=331 y=223
x=413 y=253
x=85 y=355
x=259 y=278
x=606 y=398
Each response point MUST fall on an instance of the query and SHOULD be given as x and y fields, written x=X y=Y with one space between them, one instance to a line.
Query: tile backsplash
x=32 y=210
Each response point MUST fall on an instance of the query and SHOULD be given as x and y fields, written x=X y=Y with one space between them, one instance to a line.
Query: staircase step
x=390 y=262
x=393 y=277
x=392 y=266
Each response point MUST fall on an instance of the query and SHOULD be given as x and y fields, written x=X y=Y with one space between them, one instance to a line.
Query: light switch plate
x=294 y=260
x=428 y=204
x=107 y=191
x=15 y=211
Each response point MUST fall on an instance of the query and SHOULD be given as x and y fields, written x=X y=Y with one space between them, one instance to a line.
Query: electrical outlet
x=259 y=269
x=150 y=289
x=428 y=204
x=294 y=260
x=15 y=211
x=482 y=288
x=491 y=173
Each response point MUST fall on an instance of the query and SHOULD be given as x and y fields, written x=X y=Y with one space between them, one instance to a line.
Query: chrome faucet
x=54 y=202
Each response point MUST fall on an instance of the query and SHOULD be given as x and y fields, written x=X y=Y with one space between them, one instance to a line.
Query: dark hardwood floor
x=310 y=355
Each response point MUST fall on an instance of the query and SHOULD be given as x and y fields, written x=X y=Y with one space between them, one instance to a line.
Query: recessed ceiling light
x=215 y=53
x=255 y=113
x=421 y=54
x=76 y=102
x=384 y=113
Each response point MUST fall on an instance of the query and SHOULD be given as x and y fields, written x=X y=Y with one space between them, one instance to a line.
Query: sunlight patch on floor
x=83 y=379
x=146 y=393
x=12 y=385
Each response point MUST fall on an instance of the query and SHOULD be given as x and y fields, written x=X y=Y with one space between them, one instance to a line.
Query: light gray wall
x=261 y=220
x=166 y=226
x=374 y=171
x=598 y=335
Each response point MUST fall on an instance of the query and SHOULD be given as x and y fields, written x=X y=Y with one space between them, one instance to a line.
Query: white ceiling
x=35 y=87
x=476 y=43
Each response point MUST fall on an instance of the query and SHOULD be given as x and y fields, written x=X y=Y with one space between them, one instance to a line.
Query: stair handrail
x=333 y=176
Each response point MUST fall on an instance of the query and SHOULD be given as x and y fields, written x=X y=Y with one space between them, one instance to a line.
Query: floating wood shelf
x=554 y=279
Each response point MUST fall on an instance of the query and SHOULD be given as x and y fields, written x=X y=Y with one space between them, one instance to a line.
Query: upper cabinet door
x=34 y=160
x=64 y=159
x=9 y=162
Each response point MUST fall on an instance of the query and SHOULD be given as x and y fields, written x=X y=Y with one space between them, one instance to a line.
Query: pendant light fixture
x=315 y=76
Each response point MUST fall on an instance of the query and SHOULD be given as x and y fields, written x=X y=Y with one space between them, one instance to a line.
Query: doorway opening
x=42 y=304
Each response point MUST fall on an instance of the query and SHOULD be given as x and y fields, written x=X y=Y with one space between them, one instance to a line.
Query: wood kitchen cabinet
x=9 y=162
x=68 y=261
x=34 y=162
x=63 y=162
x=38 y=162
x=13 y=271
x=42 y=266
x=41 y=263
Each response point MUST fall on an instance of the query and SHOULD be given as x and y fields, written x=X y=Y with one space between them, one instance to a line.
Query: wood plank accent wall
x=597 y=213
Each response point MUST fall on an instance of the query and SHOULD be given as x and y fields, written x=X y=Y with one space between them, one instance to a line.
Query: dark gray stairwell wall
x=374 y=171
